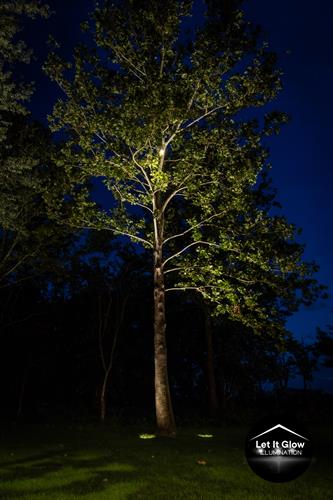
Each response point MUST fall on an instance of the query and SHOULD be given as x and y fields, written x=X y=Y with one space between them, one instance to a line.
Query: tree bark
x=104 y=326
x=103 y=396
x=164 y=413
x=211 y=381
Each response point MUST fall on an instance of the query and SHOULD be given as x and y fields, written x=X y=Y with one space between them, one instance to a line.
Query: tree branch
x=192 y=227
x=17 y=264
x=162 y=61
x=183 y=288
x=190 y=103
x=144 y=173
x=124 y=233
x=115 y=230
x=200 y=118
x=187 y=247
x=131 y=64
x=172 y=195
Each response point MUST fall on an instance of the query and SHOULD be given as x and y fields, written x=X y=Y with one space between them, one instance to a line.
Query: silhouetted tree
x=323 y=345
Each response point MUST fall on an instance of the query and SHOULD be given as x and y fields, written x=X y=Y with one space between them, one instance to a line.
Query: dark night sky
x=300 y=32
x=302 y=154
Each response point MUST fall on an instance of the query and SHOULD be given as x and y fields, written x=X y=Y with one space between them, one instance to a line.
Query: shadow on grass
x=25 y=477
x=41 y=456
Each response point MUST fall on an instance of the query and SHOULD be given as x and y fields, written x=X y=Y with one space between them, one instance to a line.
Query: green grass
x=93 y=463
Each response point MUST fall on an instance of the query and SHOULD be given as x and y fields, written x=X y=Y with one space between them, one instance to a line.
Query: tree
x=14 y=94
x=268 y=298
x=23 y=149
x=115 y=284
x=29 y=243
x=305 y=358
x=27 y=238
x=323 y=346
x=157 y=109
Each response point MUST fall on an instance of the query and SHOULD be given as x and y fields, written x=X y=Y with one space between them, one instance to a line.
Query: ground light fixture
x=147 y=436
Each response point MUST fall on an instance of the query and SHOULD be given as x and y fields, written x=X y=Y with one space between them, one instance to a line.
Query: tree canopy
x=161 y=148
x=160 y=110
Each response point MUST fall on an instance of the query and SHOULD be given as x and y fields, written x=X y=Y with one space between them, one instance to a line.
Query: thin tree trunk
x=103 y=395
x=164 y=413
x=104 y=326
x=211 y=381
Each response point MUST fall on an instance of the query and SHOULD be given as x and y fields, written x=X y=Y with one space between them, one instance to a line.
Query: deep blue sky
x=300 y=31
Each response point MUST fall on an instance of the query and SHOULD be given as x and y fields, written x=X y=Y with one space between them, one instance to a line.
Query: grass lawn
x=88 y=462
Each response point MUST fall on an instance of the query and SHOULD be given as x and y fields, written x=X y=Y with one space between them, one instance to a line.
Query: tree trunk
x=104 y=326
x=211 y=381
x=103 y=396
x=164 y=413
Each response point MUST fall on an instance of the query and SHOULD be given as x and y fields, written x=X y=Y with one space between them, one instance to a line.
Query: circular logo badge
x=278 y=449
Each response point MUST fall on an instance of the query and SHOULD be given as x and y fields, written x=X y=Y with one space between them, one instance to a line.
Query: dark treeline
x=69 y=337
